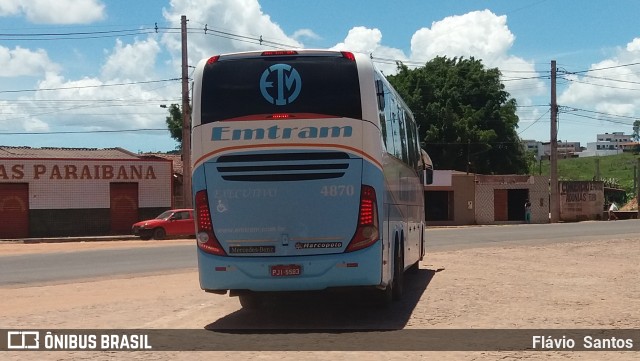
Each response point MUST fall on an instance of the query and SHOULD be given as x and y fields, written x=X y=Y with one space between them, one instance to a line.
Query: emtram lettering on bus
x=276 y=132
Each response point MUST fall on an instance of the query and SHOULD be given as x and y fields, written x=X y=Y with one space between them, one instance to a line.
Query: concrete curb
x=72 y=239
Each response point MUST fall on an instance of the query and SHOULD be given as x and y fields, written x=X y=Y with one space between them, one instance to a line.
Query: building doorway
x=509 y=204
x=438 y=205
x=14 y=210
x=517 y=198
x=123 y=206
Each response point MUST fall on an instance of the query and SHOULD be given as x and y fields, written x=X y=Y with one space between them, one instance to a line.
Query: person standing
x=612 y=209
x=527 y=211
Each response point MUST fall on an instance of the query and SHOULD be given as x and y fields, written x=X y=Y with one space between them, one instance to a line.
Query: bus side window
x=380 y=95
x=389 y=117
x=404 y=146
x=414 y=150
x=381 y=106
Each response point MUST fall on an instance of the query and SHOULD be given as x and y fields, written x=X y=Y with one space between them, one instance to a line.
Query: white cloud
x=361 y=39
x=17 y=118
x=238 y=17
x=32 y=124
x=132 y=61
x=484 y=36
x=634 y=46
x=95 y=104
x=55 y=11
x=369 y=41
x=305 y=33
x=480 y=34
x=610 y=86
x=24 y=62
x=9 y=7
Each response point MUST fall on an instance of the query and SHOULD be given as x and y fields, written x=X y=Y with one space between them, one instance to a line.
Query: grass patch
x=616 y=171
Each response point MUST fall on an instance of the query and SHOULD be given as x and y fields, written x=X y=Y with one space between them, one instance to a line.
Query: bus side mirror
x=427 y=176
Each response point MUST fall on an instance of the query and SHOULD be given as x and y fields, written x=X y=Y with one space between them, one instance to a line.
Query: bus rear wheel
x=251 y=301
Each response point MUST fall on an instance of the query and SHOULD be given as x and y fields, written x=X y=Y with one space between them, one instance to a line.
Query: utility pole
x=554 y=208
x=186 y=120
x=638 y=189
x=468 y=155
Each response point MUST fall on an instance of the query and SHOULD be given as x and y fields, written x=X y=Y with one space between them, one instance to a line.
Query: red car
x=174 y=222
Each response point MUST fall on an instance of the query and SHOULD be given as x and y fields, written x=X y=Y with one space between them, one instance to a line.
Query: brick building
x=75 y=192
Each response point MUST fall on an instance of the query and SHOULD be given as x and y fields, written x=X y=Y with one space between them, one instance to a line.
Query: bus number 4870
x=337 y=190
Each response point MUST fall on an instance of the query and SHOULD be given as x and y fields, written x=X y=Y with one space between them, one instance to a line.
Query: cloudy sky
x=96 y=73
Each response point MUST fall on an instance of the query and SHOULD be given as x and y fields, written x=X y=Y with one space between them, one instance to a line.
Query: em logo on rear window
x=280 y=84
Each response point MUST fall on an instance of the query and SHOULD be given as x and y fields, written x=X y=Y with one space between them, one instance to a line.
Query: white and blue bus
x=307 y=175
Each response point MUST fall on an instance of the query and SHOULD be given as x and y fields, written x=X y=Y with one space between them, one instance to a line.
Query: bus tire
x=414 y=268
x=251 y=301
x=384 y=298
x=159 y=233
x=398 y=271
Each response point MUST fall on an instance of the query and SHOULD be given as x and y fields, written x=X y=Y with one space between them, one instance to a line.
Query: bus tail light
x=367 y=231
x=348 y=55
x=207 y=241
x=279 y=53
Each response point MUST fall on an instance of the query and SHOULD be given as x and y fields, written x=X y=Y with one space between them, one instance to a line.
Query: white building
x=615 y=139
x=607 y=144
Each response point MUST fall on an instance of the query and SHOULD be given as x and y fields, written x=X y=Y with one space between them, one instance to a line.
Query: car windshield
x=165 y=215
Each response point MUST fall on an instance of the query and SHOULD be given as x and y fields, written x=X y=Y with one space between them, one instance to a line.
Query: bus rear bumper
x=318 y=272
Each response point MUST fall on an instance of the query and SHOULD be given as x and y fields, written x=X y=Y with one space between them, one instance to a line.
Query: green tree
x=466 y=118
x=174 y=122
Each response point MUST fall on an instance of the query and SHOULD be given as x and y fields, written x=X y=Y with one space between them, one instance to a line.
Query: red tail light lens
x=348 y=55
x=213 y=59
x=367 y=232
x=207 y=241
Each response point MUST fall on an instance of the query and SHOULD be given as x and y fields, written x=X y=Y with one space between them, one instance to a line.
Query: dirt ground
x=584 y=285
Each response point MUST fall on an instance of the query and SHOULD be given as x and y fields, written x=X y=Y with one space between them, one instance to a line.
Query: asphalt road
x=442 y=239
x=27 y=269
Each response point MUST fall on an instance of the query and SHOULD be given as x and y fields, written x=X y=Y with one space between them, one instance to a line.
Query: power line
x=90 y=86
x=599 y=119
x=257 y=40
x=610 y=79
x=87 y=131
x=596 y=112
x=526 y=78
x=599 y=116
x=534 y=122
x=599 y=85
x=77 y=35
x=604 y=68
x=93 y=101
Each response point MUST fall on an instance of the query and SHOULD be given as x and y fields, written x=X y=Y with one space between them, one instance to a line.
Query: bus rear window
x=256 y=86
